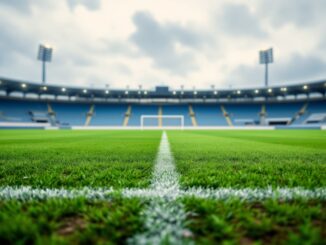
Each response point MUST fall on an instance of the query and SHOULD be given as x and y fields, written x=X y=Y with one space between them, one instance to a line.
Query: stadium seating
x=70 y=113
x=20 y=111
x=315 y=113
x=244 y=114
x=241 y=114
x=181 y=110
x=209 y=115
x=109 y=114
x=138 y=110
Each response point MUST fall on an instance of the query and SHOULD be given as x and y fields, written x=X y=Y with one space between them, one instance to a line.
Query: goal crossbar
x=143 y=117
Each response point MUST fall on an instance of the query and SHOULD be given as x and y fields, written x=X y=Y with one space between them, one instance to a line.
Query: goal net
x=164 y=121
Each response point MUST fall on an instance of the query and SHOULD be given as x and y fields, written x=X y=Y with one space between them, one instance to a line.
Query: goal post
x=161 y=118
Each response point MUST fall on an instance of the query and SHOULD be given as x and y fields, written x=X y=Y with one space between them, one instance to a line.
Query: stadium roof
x=13 y=86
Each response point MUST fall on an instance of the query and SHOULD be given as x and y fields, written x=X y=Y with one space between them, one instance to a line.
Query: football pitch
x=163 y=187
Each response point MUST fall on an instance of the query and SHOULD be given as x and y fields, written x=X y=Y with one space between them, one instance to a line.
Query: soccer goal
x=163 y=121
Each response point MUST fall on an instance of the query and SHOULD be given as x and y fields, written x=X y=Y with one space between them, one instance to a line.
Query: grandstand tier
x=27 y=103
x=206 y=114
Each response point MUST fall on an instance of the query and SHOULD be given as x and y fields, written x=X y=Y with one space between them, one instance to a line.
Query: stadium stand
x=108 y=114
x=137 y=110
x=200 y=109
x=281 y=113
x=244 y=114
x=21 y=111
x=68 y=114
x=209 y=115
x=181 y=110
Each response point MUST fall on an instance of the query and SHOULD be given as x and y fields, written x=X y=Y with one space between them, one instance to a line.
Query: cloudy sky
x=195 y=43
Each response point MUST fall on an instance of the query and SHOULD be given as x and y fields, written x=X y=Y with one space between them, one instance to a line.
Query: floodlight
x=266 y=57
x=45 y=88
x=44 y=55
x=63 y=89
x=270 y=90
x=85 y=91
x=238 y=92
x=23 y=85
x=257 y=91
x=305 y=87
x=284 y=89
x=107 y=91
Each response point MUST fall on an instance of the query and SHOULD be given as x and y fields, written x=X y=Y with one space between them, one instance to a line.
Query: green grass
x=286 y=158
x=268 y=222
x=69 y=221
x=77 y=158
x=119 y=159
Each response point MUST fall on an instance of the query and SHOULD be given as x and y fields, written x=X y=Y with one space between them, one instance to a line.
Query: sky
x=191 y=43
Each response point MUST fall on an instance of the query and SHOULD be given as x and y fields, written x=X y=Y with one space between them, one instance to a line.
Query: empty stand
x=139 y=110
x=109 y=114
x=209 y=115
x=68 y=114
x=176 y=110
x=20 y=111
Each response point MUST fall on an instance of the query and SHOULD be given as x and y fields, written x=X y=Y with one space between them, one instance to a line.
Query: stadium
x=50 y=107
x=160 y=162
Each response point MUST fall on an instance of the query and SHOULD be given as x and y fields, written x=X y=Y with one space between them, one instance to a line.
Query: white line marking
x=26 y=193
x=164 y=217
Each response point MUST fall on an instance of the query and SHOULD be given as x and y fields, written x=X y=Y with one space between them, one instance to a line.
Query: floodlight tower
x=265 y=58
x=44 y=55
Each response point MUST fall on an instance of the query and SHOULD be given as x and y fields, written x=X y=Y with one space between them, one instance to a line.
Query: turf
x=238 y=159
x=76 y=221
x=268 y=222
x=119 y=159
x=77 y=158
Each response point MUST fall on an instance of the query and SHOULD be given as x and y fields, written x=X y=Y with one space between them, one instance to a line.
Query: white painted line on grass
x=27 y=193
x=164 y=216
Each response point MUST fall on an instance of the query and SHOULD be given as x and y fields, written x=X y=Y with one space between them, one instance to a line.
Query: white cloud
x=184 y=42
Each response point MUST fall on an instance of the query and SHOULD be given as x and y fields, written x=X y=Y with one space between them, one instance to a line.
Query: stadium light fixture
x=270 y=90
x=44 y=55
x=45 y=88
x=257 y=91
x=284 y=89
x=24 y=85
x=63 y=89
x=305 y=87
x=266 y=57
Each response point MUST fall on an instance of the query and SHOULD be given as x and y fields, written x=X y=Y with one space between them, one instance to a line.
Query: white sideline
x=26 y=193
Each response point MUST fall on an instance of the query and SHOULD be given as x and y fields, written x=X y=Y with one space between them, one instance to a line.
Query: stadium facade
x=34 y=105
